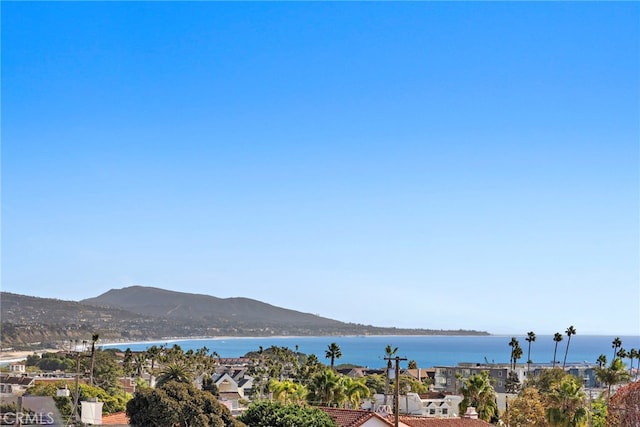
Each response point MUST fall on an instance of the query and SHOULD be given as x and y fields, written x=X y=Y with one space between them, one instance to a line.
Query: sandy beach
x=16 y=356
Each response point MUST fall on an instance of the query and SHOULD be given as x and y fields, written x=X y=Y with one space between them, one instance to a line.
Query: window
x=449 y=372
x=499 y=373
x=445 y=411
x=499 y=383
x=432 y=411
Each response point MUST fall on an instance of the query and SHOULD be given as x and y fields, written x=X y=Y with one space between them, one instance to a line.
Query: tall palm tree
x=94 y=340
x=615 y=344
x=633 y=354
x=389 y=352
x=602 y=361
x=531 y=337
x=333 y=352
x=556 y=338
x=570 y=331
x=514 y=344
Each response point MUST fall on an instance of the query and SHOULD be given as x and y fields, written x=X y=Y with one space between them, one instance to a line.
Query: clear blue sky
x=436 y=165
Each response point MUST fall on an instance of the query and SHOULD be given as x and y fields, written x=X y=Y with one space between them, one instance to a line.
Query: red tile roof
x=352 y=417
x=442 y=422
x=117 y=419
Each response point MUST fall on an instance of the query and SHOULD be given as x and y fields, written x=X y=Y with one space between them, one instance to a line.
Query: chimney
x=471 y=413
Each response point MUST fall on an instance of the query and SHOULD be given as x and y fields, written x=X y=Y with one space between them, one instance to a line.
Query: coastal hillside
x=150 y=301
x=140 y=313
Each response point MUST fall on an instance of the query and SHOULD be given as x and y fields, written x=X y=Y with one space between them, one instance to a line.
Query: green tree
x=308 y=367
x=94 y=340
x=325 y=389
x=632 y=354
x=614 y=374
x=601 y=361
x=389 y=353
x=615 y=344
x=177 y=372
x=276 y=414
x=599 y=412
x=570 y=332
x=412 y=364
x=112 y=403
x=287 y=391
x=478 y=392
x=513 y=382
x=557 y=337
x=355 y=390
x=107 y=369
x=566 y=404
x=180 y=405
x=531 y=337
x=525 y=410
x=333 y=352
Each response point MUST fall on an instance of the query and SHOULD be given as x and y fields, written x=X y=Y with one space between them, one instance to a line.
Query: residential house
x=356 y=418
x=451 y=378
x=432 y=404
x=17 y=368
x=14 y=385
x=233 y=385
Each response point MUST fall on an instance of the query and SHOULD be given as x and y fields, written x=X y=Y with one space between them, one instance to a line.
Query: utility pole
x=396 y=394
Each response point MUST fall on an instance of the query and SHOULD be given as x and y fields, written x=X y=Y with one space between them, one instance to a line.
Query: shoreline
x=7 y=357
x=113 y=344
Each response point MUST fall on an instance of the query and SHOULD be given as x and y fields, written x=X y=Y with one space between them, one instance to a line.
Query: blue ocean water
x=427 y=351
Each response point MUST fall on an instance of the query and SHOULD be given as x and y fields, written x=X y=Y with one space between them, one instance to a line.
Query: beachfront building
x=450 y=378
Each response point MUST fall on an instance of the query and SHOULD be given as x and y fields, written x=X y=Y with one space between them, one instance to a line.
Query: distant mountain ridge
x=141 y=313
x=150 y=301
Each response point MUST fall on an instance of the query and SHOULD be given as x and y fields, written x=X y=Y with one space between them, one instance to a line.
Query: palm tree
x=556 y=338
x=94 y=340
x=531 y=337
x=174 y=372
x=514 y=344
x=389 y=353
x=325 y=388
x=333 y=352
x=356 y=390
x=612 y=375
x=616 y=344
x=633 y=354
x=570 y=331
x=478 y=392
x=287 y=391
x=622 y=353
x=602 y=361
x=566 y=404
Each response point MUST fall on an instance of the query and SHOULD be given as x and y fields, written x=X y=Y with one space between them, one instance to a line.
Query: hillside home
x=233 y=385
x=14 y=385
x=432 y=404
